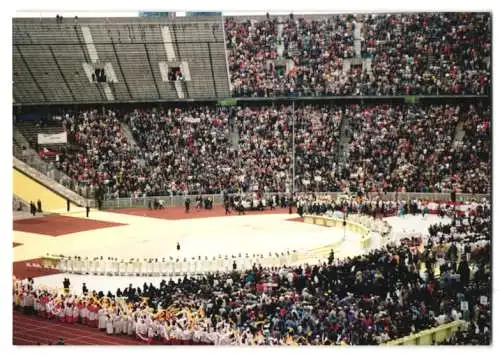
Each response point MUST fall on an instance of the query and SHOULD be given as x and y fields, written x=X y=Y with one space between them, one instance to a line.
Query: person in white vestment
x=92 y=317
x=84 y=314
x=246 y=262
x=196 y=336
x=157 y=329
x=131 y=325
x=116 y=267
x=122 y=268
x=150 y=267
x=36 y=303
x=185 y=336
x=101 y=267
x=132 y=267
x=62 y=265
x=78 y=265
x=60 y=314
x=102 y=318
x=109 y=325
x=68 y=313
x=282 y=259
x=95 y=266
x=110 y=266
x=70 y=265
x=118 y=324
x=154 y=267
x=81 y=266
x=129 y=267
x=196 y=265
x=163 y=267
x=125 y=319
x=76 y=313
x=42 y=308
x=150 y=333
x=85 y=266
x=226 y=264
x=142 y=267
x=141 y=330
x=204 y=266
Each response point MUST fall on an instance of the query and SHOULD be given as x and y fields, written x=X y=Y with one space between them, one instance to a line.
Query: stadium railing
x=178 y=200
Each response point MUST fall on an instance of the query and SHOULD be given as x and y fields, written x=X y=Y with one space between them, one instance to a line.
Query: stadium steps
x=71 y=59
x=136 y=69
x=280 y=47
x=122 y=44
x=157 y=55
x=207 y=52
x=357 y=39
x=30 y=131
x=128 y=134
x=32 y=40
x=343 y=149
x=459 y=134
x=44 y=68
x=367 y=64
x=25 y=88
x=346 y=65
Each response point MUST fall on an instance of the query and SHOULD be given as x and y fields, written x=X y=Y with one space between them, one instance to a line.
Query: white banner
x=192 y=120
x=60 y=138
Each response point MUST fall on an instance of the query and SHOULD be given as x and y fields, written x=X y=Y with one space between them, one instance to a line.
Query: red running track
x=32 y=330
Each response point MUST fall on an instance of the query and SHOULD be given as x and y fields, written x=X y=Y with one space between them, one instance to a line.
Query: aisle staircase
x=128 y=134
x=459 y=134
x=357 y=39
x=343 y=146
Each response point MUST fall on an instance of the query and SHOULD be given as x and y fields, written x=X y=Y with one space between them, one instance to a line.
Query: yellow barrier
x=337 y=222
x=436 y=334
x=30 y=190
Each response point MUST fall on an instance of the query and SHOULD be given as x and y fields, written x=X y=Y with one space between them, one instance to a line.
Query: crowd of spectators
x=428 y=53
x=210 y=149
x=387 y=293
x=103 y=156
x=410 y=148
x=291 y=56
x=411 y=53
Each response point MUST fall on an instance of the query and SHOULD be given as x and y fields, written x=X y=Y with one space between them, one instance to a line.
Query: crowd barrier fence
x=178 y=200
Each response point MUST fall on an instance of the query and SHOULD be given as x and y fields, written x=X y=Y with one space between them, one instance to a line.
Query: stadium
x=252 y=180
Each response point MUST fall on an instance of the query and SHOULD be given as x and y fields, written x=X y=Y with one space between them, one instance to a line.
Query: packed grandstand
x=359 y=117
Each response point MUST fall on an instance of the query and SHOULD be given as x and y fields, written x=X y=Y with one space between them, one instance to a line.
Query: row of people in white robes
x=173 y=267
x=142 y=324
x=116 y=324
